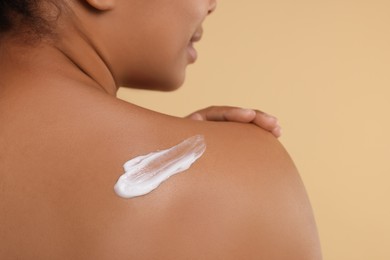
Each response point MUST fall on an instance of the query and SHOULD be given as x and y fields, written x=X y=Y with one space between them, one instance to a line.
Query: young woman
x=64 y=139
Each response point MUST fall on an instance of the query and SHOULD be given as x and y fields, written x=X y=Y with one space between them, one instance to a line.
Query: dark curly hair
x=27 y=17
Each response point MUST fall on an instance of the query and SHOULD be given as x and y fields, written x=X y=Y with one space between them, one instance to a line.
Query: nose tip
x=213 y=6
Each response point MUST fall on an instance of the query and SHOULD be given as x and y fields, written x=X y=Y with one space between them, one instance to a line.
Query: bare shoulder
x=264 y=197
x=243 y=199
x=254 y=192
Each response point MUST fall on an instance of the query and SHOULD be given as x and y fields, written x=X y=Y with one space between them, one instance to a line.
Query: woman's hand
x=240 y=115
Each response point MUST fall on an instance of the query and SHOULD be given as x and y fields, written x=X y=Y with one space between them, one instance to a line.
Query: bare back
x=62 y=155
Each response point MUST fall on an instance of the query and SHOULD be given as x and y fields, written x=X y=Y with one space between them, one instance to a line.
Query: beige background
x=323 y=67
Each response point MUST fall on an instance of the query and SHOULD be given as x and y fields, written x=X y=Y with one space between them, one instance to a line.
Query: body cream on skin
x=145 y=173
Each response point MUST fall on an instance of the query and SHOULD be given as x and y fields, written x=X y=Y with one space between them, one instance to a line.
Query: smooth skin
x=64 y=138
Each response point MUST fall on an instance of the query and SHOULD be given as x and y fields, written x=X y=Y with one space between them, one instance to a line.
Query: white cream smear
x=145 y=173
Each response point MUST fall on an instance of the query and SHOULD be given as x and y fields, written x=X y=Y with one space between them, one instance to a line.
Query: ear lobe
x=101 y=5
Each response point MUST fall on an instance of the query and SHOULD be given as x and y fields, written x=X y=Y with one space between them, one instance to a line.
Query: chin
x=172 y=86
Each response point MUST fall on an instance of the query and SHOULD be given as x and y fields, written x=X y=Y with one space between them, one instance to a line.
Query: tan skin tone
x=65 y=137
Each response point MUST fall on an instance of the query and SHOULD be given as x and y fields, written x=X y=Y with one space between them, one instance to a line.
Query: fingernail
x=277 y=131
x=197 y=117
x=273 y=120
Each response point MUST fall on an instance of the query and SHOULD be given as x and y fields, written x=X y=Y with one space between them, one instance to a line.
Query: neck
x=74 y=58
x=88 y=59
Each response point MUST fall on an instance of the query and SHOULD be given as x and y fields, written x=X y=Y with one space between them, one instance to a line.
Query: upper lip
x=197 y=35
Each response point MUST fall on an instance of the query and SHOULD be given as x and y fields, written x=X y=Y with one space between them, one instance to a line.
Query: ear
x=101 y=5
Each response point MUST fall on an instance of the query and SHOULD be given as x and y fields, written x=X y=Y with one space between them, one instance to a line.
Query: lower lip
x=192 y=54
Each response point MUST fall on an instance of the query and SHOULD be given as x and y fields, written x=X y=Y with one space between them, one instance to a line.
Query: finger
x=215 y=113
x=242 y=115
x=196 y=116
x=210 y=114
x=224 y=113
x=266 y=121
x=277 y=132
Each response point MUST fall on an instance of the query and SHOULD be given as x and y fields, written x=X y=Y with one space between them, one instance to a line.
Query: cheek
x=160 y=66
x=162 y=50
x=165 y=57
x=161 y=40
